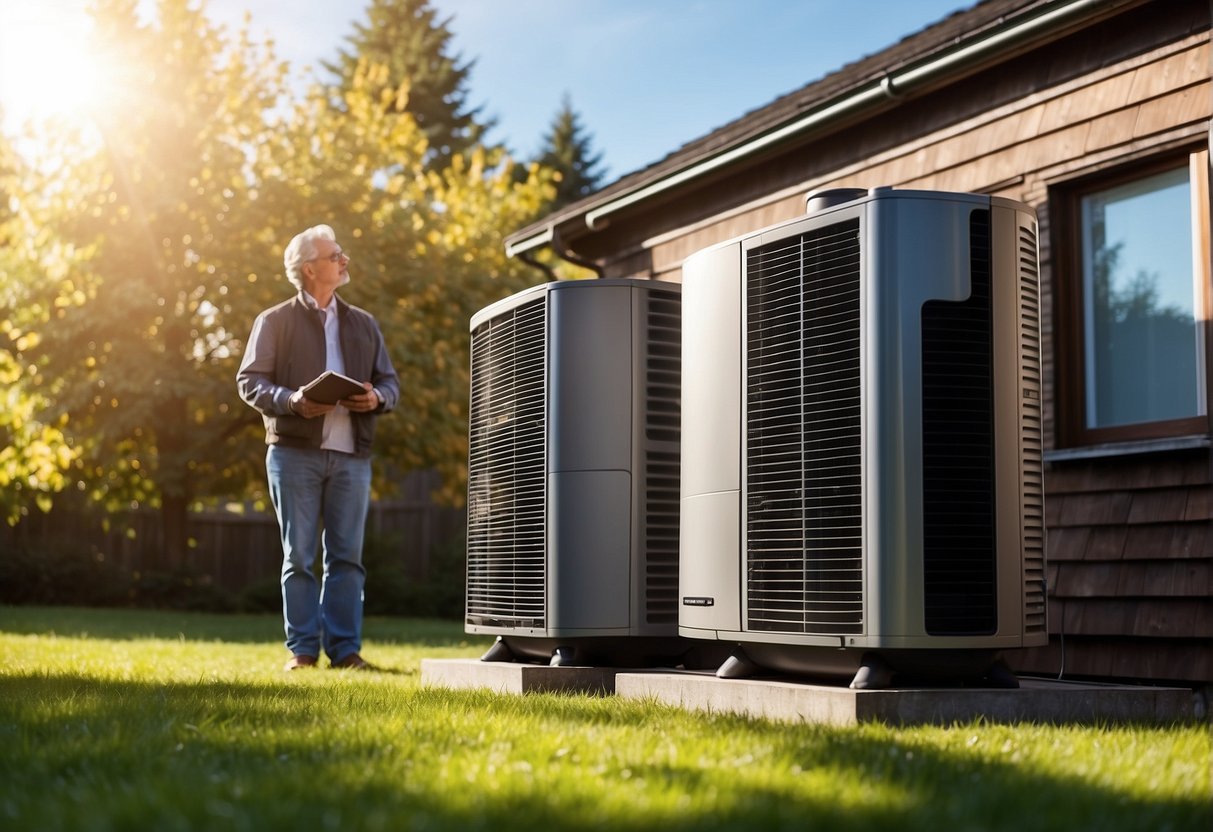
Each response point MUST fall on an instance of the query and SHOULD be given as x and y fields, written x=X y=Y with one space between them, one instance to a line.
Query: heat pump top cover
x=861 y=428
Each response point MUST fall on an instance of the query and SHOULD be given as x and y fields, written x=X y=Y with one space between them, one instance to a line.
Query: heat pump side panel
x=624 y=337
x=710 y=562
x=978 y=486
x=931 y=540
x=590 y=465
x=614 y=398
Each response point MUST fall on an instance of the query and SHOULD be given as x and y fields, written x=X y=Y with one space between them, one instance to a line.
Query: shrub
x=65 y=573
x=391 y=591
x=60 y=573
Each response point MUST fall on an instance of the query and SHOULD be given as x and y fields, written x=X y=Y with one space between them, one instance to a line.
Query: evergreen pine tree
x=408 y=38
x=568 y=149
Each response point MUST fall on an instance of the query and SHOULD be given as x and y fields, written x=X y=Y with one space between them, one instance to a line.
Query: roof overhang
x=1028 y=24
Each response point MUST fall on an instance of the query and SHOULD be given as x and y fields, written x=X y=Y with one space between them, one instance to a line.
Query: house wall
x=1130 y=551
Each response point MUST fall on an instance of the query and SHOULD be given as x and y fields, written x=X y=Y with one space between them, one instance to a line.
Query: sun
x=47 y=68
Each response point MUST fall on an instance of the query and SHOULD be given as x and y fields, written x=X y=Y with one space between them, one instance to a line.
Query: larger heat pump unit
x=572 y=548
x=861 y=440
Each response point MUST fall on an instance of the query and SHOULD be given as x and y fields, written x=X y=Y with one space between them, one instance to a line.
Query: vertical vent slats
x=958 y=496
x=662 y=427
x=506 y=544
x=1033 y=470
x=804 y=568
x=663 y=367
x=661 y=538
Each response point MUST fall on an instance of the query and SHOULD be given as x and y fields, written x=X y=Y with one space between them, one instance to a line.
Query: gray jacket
x=286 y=350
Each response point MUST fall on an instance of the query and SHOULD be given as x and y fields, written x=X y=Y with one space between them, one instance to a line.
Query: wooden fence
x=238 y=549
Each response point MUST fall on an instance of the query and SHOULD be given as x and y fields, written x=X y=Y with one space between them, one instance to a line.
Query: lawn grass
x=144 y=720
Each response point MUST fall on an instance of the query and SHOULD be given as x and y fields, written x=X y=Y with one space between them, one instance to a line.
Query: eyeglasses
x=335 y=257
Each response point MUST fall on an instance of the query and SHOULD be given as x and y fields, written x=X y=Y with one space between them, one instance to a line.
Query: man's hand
x=363 y=402
x=305 y=407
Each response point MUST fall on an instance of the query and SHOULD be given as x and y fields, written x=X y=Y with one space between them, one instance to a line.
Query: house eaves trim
x=535 y=241
x=890 y=86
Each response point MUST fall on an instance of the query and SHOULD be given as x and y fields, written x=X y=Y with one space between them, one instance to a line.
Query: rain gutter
x=541 y=239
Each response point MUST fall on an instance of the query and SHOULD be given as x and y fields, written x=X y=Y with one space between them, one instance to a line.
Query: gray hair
x=301 y=249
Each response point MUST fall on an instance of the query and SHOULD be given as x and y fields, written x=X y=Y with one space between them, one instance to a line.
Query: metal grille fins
x=663 y=391
x=506 y=482
x=804 y=509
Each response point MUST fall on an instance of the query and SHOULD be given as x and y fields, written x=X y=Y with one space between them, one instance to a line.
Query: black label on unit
x=697 y=601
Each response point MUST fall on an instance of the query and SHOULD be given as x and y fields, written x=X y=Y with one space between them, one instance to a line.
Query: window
x=1133 y=304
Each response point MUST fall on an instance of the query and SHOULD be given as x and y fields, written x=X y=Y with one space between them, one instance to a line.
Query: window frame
x=1070 y=320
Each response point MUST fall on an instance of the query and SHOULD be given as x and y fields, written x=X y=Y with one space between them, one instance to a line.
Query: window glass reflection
x=1143 y=344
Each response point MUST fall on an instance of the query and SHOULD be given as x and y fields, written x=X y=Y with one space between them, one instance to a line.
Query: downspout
x=890 y=86
x=523 y=251
x=529 y=259
x=562 y=250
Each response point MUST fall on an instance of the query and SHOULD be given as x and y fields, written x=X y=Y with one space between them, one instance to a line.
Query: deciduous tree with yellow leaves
x=140 y=243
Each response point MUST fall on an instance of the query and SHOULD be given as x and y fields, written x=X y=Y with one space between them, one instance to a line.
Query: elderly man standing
x=319 y=457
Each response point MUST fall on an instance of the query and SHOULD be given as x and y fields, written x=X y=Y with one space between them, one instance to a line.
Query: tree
x=124 y=243
x=568 y=150
x=407 y=37
x=136 y=258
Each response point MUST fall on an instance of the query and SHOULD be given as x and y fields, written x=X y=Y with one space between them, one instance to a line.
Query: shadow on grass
x=142 y=755
x=124 y=625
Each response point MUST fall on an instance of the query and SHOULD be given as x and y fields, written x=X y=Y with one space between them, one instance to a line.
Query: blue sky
x=646 y=76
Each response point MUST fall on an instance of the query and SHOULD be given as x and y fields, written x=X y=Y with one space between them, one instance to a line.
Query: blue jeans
x=321 y=499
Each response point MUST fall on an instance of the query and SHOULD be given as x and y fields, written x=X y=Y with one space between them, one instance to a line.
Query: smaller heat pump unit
x=572 y=548
x=861 y=440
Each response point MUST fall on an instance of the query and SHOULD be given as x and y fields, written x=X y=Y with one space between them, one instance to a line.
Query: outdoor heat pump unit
x=861 y=490
x=572 y=549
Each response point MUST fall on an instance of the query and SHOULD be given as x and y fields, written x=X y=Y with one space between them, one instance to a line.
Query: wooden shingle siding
x=1130 y=567
x=1180 y=578
x=1154 y=660
x=1130 y=537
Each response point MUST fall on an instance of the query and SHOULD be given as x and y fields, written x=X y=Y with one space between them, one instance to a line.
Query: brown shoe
x=353 y=662
x=300 y=662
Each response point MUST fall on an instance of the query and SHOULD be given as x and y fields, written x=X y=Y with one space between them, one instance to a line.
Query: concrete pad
x=1036 y=700
x=517 y=677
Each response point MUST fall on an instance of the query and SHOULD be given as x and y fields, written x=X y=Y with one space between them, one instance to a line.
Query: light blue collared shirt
x=338 y=432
